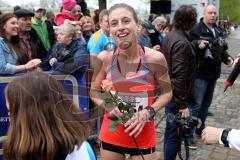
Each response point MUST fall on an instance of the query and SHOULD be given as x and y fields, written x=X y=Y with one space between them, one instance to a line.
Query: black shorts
x=124 y=150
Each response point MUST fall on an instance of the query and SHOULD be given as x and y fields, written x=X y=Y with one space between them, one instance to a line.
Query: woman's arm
x=158 y=65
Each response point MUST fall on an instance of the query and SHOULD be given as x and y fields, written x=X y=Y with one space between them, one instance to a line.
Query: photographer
x=211 y=51
x=180 y=57
x=228 y=137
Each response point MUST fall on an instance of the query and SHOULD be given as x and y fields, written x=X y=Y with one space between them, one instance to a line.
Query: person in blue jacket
x=68 y=54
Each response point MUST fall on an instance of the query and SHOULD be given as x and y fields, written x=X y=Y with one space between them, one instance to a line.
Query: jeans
x=204 y=93
x=170 y=136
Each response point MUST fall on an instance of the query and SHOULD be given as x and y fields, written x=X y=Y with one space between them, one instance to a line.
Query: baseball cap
x=148 y=25
x=36 y=8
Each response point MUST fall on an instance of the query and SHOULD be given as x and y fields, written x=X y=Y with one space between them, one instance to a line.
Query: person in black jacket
x=159 y=25
x=211 y=51
x=180 y=57
x=29 y=39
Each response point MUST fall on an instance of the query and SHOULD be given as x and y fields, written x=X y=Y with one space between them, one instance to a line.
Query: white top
x=233 y=139
x=85 y=152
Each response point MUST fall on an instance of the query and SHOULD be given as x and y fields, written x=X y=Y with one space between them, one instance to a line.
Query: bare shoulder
x=154 y=56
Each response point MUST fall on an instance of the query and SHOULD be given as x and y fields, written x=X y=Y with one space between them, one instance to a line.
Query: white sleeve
x=84 y=152
x=234 y=139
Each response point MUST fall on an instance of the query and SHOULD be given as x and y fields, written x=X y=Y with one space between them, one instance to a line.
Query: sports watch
x=151 y=111
x=225 y=136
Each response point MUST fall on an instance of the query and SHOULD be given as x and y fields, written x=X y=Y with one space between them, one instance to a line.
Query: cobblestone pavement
x=226 y=110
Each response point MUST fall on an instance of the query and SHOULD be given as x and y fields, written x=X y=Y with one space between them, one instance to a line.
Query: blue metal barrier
x=75 y=85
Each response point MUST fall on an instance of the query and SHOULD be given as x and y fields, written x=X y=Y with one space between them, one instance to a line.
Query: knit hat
x=68 y=4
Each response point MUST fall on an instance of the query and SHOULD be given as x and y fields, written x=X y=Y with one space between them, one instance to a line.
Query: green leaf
x=113 y=117
x=121 y=107
x=114 y=126
x=104 y=95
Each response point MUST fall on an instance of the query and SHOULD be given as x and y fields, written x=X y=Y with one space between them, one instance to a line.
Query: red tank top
x=136 y=88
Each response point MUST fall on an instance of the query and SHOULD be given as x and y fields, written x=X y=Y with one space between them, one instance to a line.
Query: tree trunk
x=102 y=4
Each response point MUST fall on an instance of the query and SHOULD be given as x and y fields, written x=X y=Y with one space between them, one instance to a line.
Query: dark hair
x=127 y=7
x=44 y=122
x=185 y=17
x=14 y=42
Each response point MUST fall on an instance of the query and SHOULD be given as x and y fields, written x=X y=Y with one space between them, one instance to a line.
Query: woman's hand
x=135 y=125
x=34 y=63
x=52 y=61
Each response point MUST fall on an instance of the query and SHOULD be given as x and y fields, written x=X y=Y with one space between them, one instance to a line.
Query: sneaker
x=192 y=145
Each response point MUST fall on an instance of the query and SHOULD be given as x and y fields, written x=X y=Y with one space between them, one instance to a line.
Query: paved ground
x=226 y=109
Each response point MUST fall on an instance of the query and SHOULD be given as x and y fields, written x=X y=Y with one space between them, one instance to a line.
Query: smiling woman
x=127 y=67
x=12 y=58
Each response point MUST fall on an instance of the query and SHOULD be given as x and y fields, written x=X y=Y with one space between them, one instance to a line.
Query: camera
x=186 y=124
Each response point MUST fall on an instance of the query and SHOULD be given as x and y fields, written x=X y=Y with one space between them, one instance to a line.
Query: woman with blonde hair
x=87 y=27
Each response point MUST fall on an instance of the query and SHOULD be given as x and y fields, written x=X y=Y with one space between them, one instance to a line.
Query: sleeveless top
x=136 y=88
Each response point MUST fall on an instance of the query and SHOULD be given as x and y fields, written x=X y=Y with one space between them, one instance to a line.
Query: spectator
x=180 y=56
x=44 y=122
x=69 y=54
x=44 y=30
x=159 y=25
x=50 y=18
x=66 y=15
x=87 y=27
x=120 y=68
x=101 y=40
x=152 y=17
x=228 y=137
x=77 y=12
x=29 y=39
x=83 y=5
x=211 y=51
x=12 y=58
x=146 y=28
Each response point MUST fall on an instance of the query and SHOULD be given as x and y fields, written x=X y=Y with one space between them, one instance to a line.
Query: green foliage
x=112 y=101
x=230 y=8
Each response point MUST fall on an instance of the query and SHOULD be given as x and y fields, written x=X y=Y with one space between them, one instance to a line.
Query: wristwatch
x=225 y=136
x=151 y=112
